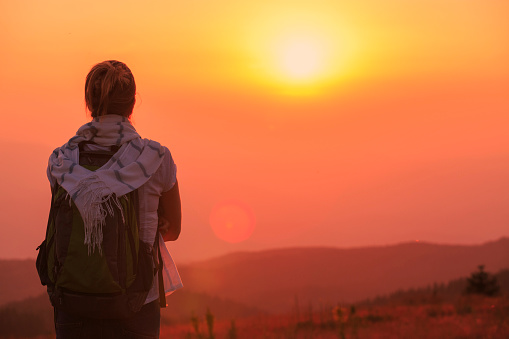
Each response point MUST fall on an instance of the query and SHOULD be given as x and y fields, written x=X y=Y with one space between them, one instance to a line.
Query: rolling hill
x=19 y=280
x=273 y=280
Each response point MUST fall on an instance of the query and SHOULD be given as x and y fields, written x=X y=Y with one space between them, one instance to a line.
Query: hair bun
x=110 y=89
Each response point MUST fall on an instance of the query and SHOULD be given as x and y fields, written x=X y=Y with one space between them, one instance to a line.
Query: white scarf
x=134 y=163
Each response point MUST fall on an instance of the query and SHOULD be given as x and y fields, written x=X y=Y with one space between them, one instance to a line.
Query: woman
x=137 y=164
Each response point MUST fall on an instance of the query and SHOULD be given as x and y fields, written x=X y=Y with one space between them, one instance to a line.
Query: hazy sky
x=334 y=123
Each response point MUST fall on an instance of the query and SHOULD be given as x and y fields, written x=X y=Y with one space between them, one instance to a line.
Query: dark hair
x=110 y=89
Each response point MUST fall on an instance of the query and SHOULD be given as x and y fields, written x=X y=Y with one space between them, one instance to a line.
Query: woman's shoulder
x=164 y=152
x=153 y=144
x=166 y=175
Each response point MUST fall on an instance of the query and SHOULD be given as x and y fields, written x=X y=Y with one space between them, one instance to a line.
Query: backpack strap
x=42 y=257
x=162 y=294
x=54 y=190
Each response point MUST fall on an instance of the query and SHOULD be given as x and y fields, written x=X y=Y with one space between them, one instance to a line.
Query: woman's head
x=110 y=89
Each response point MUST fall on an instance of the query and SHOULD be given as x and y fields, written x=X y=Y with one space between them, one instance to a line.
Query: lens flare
x=232 y=221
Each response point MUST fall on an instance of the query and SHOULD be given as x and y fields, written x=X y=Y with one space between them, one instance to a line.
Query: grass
x=465 y=318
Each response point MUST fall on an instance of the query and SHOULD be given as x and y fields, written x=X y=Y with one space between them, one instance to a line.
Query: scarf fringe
x=97 y=201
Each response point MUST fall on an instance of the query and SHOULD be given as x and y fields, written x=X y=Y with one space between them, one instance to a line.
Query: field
x=468 y=307
x=467 y=317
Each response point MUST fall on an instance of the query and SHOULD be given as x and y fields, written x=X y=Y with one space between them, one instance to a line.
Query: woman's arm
x=170 y=214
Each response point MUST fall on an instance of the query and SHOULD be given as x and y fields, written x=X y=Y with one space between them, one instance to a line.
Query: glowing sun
x=299 y=52
x=300 y=58
x=232 y=221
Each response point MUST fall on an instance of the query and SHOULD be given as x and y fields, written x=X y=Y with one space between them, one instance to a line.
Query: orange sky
x=330 y=123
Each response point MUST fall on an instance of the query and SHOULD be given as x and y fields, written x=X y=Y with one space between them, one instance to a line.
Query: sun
x=232 y=221
x=300 y=58
x=302 y=51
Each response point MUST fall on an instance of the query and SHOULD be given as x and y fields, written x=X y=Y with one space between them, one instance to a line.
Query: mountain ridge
x=271 y=280
x=363 y=247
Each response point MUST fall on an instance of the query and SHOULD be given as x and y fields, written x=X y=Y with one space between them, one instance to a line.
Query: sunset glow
x=340 y=123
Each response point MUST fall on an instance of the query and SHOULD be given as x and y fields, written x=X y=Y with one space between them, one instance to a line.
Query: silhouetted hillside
x=272 y=279
x=183 y=303
x=38 y=312
x=19 y=280
x=27 y=318
x=448 y=292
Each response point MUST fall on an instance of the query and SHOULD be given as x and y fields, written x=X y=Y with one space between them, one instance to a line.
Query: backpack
x=108 y=284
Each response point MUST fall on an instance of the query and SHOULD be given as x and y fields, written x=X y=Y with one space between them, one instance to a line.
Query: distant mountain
x=448 y=292
x=28 y=318
x=19 y=280
x=275 y=280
